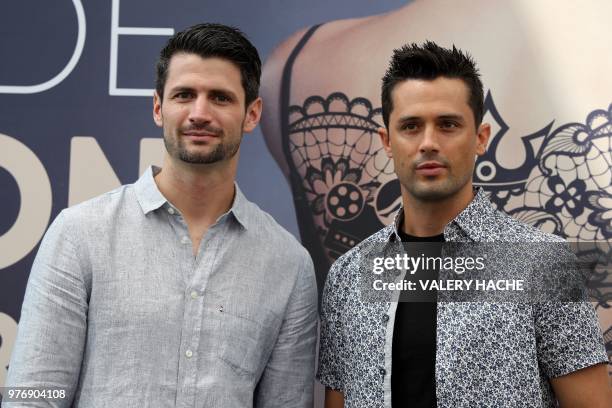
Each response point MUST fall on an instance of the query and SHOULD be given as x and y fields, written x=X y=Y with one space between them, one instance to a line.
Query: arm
x=588 y=388
x=569 y=340
x=288 y=379
x=52 y=329
x=333 y=398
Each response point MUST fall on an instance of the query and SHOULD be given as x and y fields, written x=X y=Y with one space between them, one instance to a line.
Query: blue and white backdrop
x=76 y=83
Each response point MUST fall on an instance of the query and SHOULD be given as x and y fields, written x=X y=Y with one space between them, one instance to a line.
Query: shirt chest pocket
x=246 y=334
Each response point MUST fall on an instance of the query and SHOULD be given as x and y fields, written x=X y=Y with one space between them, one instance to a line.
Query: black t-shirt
x=413 y=382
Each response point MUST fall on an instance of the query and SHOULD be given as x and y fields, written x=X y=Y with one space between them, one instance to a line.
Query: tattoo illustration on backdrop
x=345 y=189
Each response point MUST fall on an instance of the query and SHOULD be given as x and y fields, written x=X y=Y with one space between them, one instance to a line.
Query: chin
x=432 y=192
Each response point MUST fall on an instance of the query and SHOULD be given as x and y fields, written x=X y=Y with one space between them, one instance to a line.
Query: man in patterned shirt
x=450 y=354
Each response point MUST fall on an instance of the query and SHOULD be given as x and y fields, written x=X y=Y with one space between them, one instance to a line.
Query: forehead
x=192 y=71
x=430 y=97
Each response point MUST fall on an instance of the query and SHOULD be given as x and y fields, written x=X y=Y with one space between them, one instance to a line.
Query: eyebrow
x=219 y=91
x=451 y=116
x=447 y=116
x=216 y=91
x=179 y=89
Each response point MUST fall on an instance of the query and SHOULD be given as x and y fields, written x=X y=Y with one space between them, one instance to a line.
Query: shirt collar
x=475 y=220
x=471 y=222
x=150 y=198
x=241 y=208
x=148 y=195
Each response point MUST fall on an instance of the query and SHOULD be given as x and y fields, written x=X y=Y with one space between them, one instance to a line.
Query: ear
x=157 y=115
x=253 y=114
x=482 y=138
x=384 y=138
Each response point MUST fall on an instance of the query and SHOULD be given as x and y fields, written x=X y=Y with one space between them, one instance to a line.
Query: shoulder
x=271 y=80
x=526 y=246
x=509 y=229
x=309 y=59
x=329 y=37
x=325 y=32
x=344 y=269
x=275 y=62
x=76 y=230
x=484 y=223
x=284 y=255
x=271 y=88
x=98 y=211
x=263 y=228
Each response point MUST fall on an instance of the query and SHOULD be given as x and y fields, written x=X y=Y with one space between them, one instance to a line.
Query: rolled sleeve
x=288 y=379
x=569 y=338
x=52 y=328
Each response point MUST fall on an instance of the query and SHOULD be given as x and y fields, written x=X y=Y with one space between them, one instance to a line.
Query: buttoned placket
x=196 y=272
x=388 y=320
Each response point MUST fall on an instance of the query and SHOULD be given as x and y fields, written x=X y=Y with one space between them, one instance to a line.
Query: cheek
x=463 y=163
x=465 y=150
x=229 y=118
x=402 y=165
x=403 y=151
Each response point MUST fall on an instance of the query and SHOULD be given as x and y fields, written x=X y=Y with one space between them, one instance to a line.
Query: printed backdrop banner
x=76 y=83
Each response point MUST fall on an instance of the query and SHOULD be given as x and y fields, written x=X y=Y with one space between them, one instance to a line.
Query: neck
x=428 y=218
x=202 y=192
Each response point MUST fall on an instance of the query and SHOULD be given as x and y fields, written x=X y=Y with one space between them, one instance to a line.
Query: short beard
x=451 y=187
x=222 y=151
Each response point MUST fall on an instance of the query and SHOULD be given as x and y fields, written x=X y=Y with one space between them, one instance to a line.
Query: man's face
x=203 y=111
x=432 y=138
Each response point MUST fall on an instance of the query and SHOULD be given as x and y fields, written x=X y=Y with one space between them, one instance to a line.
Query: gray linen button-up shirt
x=119 y=313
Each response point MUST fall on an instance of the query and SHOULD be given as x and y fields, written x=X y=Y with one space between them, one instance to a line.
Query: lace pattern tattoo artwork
x=344 y=170
x=344 y=187
x=563 y=186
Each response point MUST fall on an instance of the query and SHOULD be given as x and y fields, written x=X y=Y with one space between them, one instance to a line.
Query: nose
x=201 y=110
x=429 y=141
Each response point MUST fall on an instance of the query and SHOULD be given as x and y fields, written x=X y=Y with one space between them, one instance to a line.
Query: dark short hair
x=428 y=62
x=214 y=40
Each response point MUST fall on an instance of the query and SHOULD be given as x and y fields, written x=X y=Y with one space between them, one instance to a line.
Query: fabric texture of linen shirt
x=488 y=354
x=119 y=312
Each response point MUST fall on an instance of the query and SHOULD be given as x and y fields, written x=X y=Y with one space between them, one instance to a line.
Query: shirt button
x=194 y=295
x=170 y=210
x=383 y=371
x=185 y=240
x=385 y=318
x=189 y=353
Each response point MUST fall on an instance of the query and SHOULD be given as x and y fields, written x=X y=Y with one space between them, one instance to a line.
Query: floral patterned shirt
x=488 y=354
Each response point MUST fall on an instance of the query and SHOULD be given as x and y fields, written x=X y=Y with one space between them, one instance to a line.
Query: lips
x=200 y=134
x=430 y=168
x=200 y=137
x=203 y=132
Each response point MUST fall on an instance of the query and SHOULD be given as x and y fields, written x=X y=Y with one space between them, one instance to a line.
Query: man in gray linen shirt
x=176 y=290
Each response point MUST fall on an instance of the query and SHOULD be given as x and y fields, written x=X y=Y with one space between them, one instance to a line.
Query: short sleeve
x=568 y=334
x=331 y=346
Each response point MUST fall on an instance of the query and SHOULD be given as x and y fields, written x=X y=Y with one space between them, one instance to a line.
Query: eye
x=410 y=126
x=183 y=95
x=449 y=125
x=221 y=98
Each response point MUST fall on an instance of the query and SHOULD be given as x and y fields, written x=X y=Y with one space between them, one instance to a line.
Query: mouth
x=200 y=136
x=430 y=168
